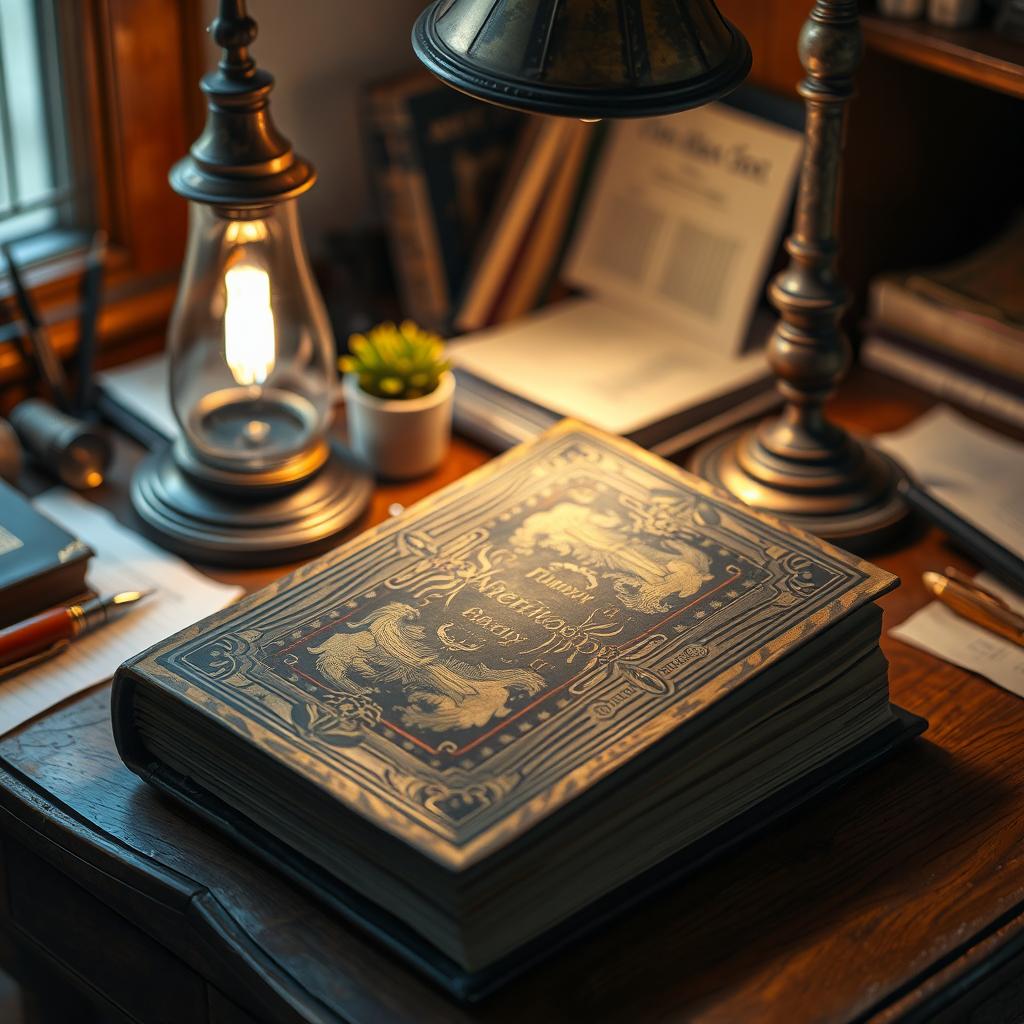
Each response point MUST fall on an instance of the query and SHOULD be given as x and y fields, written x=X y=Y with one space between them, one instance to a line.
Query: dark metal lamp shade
x=584 y=58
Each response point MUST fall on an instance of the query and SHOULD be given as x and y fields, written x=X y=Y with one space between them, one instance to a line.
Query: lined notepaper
x=124 y=561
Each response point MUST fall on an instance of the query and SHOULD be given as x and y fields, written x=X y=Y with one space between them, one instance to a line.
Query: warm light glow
x=250 y=348
x=240 y=232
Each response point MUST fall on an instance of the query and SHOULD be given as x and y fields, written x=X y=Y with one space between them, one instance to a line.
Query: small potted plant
x=398 y=396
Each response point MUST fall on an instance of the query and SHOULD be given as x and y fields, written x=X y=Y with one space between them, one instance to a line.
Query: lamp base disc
x=205 y=526
x=861 y=514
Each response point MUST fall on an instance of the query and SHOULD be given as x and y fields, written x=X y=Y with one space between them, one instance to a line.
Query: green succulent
x=396 y=362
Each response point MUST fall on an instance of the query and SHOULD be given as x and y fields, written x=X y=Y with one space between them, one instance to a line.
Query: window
x=98 y=98
x=36 y=186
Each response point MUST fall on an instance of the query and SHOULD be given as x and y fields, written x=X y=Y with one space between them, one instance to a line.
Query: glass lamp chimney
x=250 y=344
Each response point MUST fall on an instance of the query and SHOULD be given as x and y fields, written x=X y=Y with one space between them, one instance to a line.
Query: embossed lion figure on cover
x=644 y=576
x=387 y=651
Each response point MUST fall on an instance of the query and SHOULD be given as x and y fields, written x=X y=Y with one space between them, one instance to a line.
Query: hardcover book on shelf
x=438 y=159
x=987 y=343
x=956 y=330
x=970 y=310
x=532 y=699
x=528 y=226
x=512 y=218
x=41 y=564
x=677 y=232
x=948 y=376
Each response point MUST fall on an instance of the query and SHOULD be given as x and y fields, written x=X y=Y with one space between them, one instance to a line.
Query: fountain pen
x=42 y=636
x=976 y=604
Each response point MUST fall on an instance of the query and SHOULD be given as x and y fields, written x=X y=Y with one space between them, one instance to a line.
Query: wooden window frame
x=139 y=63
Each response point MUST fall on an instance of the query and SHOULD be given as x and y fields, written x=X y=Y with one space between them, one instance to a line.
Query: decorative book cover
x=459 y=673
x=40 y=563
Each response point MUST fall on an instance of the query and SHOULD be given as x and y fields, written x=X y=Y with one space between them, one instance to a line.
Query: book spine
x=524 y=289
x=896 y=307
x=945 y=382
x=515 y=213
x=412 y=235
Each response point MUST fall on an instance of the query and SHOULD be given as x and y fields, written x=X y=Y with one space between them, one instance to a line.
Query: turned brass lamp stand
x=641 y=58
x=800 y=466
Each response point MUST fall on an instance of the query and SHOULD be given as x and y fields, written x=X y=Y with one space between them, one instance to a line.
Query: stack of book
x=957 y=330
x=438 y=159
x=517 y=259
x=485 y=726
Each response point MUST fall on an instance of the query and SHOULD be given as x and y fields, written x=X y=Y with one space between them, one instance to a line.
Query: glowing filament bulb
x=250 y=347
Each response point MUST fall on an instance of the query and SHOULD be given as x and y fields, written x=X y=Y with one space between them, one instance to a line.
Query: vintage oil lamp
x=253 y=478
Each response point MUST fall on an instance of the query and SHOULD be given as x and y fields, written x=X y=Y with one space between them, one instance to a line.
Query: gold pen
x=974 y=603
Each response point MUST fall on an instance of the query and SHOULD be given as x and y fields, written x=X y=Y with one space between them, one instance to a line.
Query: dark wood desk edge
x=937 y=990
x=62 y=839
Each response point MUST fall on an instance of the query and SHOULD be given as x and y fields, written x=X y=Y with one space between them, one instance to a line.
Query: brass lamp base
x=846 y=493
x=800 y=466
x=223 y=527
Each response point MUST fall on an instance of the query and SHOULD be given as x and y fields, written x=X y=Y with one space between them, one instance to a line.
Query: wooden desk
x=900 y=898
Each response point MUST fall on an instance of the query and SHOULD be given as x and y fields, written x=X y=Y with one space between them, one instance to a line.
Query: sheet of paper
x=143 y=389
x=940 y=631
x=684 y=217
x=124 y=561
x=976 y=472
x=597 y=362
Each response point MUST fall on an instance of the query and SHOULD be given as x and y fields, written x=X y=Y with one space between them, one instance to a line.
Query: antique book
x=589 y=359
x=985 y=342
x=971 y=310
x=960 y=380
x=40 y=563
x=502 y=716
x=526 y=191
x=437 y=158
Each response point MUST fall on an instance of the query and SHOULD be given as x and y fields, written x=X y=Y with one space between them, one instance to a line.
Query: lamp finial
x=234 y=31
x=240 y=160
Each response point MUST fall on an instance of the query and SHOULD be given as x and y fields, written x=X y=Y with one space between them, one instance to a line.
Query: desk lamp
x=252 y=478
x=638 y=58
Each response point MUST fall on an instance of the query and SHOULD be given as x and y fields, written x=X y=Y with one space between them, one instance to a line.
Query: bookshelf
x=934 y=146
x=980 y=56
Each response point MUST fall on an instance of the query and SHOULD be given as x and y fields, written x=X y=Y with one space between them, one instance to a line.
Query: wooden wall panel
x=772 y=27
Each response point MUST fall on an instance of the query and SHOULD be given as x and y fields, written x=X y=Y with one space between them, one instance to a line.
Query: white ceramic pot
x=400 y=438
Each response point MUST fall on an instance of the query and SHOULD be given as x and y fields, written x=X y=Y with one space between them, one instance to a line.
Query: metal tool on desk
x=988 y=553
x=75 y=452
x=71 y=449
x=45 y=635
x=973 y=602
x=38 y=351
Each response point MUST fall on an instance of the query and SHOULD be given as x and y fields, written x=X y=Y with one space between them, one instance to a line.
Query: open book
x=673 y=245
